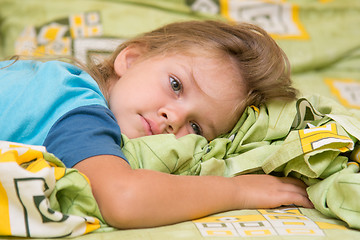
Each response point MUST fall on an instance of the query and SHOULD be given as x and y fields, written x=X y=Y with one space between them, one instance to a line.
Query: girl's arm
x=144 y=198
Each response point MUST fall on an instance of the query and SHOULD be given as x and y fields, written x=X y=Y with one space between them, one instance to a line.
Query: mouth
x=146 y=126
x=150 y=127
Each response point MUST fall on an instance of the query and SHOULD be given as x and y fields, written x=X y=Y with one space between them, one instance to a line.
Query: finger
x=295 y=190
x=292 y=198
x=293 y=181
x=303 y=202
x=294 y=187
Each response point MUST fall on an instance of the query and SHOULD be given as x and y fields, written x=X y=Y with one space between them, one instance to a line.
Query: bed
x=322 y=41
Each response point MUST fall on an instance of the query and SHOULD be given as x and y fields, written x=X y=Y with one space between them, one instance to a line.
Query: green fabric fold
x=308 y=139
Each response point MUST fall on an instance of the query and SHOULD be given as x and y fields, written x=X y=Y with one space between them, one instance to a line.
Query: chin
x=134 y=135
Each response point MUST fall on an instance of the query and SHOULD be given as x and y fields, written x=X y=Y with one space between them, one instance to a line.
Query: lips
x=150 y=127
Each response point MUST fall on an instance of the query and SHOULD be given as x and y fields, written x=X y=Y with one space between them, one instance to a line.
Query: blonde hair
x=264 y=67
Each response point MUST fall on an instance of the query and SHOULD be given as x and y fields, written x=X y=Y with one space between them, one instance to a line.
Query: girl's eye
x=176 y=85
x=196 y=128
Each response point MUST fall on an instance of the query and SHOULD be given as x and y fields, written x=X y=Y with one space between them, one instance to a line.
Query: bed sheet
x=277 y=224
x=58 y=211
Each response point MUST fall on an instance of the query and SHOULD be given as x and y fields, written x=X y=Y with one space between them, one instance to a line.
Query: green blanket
x=308 y=139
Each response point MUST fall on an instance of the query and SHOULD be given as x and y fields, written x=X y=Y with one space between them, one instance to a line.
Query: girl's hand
x=266 y=191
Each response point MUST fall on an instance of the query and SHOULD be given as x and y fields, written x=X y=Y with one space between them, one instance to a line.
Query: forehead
x=217 y=77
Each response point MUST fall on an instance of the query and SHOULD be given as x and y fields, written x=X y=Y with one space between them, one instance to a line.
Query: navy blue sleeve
x=84 y=132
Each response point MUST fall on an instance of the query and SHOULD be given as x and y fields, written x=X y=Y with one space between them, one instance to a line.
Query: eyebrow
x=188 y=70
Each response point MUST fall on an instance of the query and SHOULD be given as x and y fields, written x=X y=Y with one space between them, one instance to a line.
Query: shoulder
x=85 y=132
x=36 y=94
x=34 y=65
x=41 y=67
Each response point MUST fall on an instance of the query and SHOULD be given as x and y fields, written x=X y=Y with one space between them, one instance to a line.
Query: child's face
x=176 y=94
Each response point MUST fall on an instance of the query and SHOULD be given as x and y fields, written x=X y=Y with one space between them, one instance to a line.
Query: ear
x=125 y=59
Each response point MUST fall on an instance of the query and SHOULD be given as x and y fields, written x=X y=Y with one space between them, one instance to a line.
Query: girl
x=183 y=78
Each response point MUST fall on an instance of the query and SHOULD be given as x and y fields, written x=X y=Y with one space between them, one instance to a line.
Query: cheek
x=116 y=100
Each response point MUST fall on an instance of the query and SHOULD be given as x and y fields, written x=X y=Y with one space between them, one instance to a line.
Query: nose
x=175 y=120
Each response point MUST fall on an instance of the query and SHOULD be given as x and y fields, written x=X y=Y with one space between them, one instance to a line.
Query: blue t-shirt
x=57 y=105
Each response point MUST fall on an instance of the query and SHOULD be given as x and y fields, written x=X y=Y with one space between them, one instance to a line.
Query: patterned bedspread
x=39 y=197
